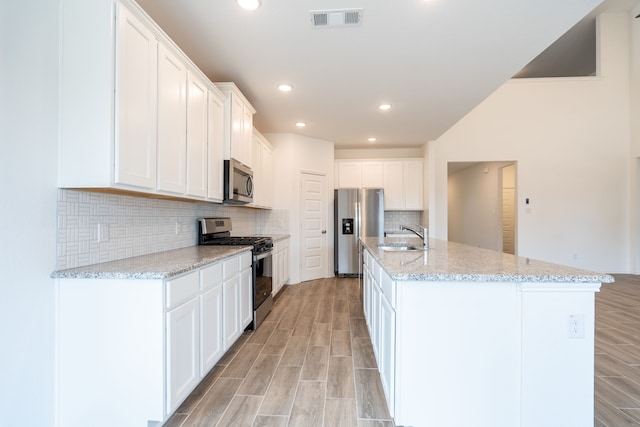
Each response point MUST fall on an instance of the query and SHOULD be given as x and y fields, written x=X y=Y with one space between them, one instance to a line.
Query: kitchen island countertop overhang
x=446 y=261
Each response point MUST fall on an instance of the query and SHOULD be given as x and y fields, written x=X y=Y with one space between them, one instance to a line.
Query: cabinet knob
x=324 y=231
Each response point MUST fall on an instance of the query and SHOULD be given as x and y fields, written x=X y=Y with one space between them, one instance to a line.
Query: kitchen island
x=465 y=336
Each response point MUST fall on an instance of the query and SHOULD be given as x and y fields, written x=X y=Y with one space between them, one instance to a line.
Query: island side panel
x=557 y=370
x=110 y=346
x=458 y=354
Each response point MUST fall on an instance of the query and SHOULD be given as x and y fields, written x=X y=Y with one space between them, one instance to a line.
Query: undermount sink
x=401 y=247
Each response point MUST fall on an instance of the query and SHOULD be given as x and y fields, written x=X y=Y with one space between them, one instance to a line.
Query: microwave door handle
x=249 y=186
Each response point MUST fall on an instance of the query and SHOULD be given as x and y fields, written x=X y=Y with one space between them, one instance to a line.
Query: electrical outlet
x=576 y=326
x=103 y=233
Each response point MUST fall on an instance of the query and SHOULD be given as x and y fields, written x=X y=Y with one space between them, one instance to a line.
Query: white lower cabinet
x=211 y=309
x=139 y=347
x=280 y=263
x=183 y=351
x=386 y=350
x=246 y=297
x=380 y=316
x=231 y=295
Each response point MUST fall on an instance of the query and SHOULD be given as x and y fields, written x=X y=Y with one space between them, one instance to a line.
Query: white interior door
x=313 y=235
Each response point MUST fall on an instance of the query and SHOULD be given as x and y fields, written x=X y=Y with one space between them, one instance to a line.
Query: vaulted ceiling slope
x=433 y=61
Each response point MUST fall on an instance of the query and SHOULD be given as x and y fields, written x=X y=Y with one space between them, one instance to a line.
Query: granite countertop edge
x=451 y=262
x=160 y=265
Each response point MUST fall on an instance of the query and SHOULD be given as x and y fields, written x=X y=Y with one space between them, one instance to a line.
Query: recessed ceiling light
x=384 y=107
x=285 y=87
x=372 y=139
x=249 y=4
x=301 y=124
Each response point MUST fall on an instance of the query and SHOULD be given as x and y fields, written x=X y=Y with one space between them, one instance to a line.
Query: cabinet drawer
x=245 y=260
x=388 y=288
x=211 y=276
x=230 y=267
x=182 y=288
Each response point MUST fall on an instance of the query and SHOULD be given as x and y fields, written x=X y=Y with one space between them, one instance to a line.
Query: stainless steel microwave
x=238 y=183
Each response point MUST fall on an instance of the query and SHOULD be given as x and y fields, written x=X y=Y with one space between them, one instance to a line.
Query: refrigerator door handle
x=357 y=221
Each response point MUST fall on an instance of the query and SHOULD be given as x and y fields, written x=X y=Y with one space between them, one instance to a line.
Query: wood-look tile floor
x=310 y=363
x=617 y=377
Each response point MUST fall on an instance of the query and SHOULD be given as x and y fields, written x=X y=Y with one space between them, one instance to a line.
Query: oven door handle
x=262 y=255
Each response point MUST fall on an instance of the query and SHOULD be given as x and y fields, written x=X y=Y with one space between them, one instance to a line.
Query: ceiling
x=432 y=60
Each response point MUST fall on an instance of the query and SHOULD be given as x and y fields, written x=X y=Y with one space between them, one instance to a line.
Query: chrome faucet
x=420 y=231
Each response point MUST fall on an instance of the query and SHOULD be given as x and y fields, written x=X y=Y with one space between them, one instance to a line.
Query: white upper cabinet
x=172 y=122
x=136 y=65
x=215 y=155
x=403 y=185
x=350 y=175
x=136 y=113
x=238 y=124
x=401 y=179
x=262 y=160
x=413 y=183
x=197 y=136
x=372 y=175
x=393 y=185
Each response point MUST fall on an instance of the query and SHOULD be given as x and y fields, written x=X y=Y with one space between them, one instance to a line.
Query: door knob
x=324 y=231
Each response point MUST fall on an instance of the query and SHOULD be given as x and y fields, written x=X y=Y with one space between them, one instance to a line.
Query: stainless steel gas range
x=217 y=231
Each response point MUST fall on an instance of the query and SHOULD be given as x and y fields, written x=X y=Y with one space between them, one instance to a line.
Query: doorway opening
x=482 y=208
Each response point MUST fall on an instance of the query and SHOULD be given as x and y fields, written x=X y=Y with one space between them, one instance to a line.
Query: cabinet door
x=267 y=176
x=197 y=137
x=183 y=352
x=413 y=185
x=212 y=346
x=285 y=264
x=258 y=175
x=387 y=351
x=237 y=129
x=136 y=103
x=231 y=310
x=372 y=175
x=275 y=269
x=172 y=122
x=374 y=326
x=366 y=297
x=247 y=131
x=393 y=185
x=349 y=174
x=246 y=297
x=215 y=132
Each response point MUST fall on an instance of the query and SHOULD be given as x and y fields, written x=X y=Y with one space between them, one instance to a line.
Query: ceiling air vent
x=336 y=18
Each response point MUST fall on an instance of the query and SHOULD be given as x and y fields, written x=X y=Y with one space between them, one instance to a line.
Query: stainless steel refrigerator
x=358 y=213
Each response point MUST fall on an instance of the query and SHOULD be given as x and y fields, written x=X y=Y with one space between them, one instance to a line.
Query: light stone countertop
x=161 y=265
x=454 y=262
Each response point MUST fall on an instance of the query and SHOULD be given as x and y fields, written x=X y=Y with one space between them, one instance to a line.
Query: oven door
x=262 y=278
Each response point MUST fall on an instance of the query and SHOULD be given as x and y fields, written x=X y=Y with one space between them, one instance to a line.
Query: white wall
x=570 y=138
x=28 y=172
x=635 y=140
x=292 y=155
